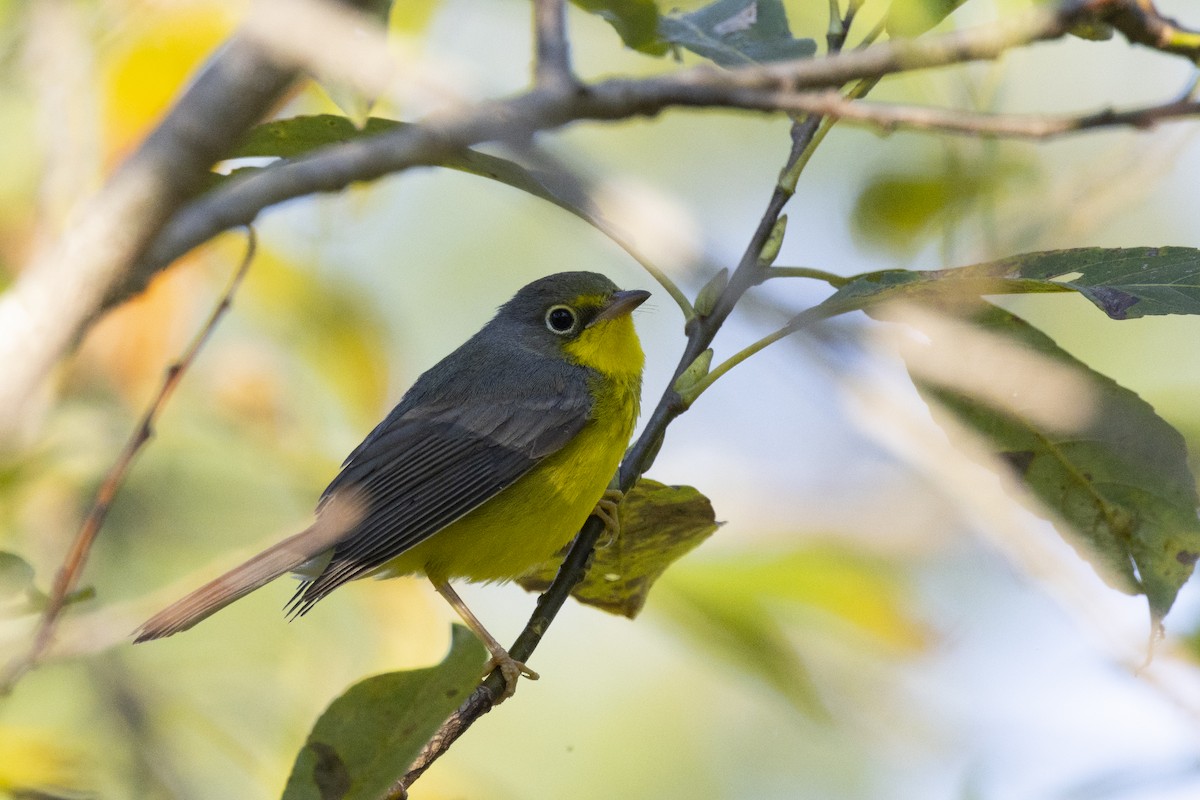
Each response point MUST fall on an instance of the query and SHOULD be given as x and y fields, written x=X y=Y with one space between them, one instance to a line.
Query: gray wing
x=428 y=464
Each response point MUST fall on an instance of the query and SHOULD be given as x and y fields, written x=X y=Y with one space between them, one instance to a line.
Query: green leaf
x=295 y=136
x=659 y=525
x=16 y=583
x=1112 y=472
x=734 y=33
x=635 y=21
x=898 y=211
x=1125 y=283
x=368 y=737
x=746 y=635
x=731 y=606
x=911 y=18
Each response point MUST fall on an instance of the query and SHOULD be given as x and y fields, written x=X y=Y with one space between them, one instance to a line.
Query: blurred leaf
x=659 y=525
x=331 y=325
x=412 y=16
x=635 y=21
x=911 y=18
x=1093 y=30
x=37 y=765
x=150 y=60
x=295 y=136
x=1124 y=283
x=743 y=633
x=368 y=737
x=1116 y=480
x=357 y=106
x=860 y=590
x=899 y=211
x=737 y=32
x=730 y=606
x=16 y=582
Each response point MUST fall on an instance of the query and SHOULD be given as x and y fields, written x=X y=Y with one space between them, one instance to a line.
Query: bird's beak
x=620 y=303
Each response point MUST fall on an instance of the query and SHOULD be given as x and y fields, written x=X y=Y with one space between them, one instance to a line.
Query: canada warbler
x=488 y=466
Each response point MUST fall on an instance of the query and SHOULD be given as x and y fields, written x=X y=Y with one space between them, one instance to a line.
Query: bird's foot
x=510 y=669
x=607 y=510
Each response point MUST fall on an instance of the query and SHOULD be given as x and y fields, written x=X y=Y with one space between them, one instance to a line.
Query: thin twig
x=701 y=331
x=552 y=61
x=890 y=117
x=516 y=118
x=68 y=574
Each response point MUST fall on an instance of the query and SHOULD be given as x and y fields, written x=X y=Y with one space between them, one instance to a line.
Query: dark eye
x=560 y=320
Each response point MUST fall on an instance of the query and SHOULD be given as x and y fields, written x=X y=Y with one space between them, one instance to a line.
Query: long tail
x=335 y=519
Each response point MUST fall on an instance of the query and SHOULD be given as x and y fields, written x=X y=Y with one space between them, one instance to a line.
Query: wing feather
x=422 y=469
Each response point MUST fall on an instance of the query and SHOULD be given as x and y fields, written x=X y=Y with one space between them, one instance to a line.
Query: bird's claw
x=510 y=669
x=607 y=510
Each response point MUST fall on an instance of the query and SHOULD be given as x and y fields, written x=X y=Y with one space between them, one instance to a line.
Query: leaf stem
x=834 y=280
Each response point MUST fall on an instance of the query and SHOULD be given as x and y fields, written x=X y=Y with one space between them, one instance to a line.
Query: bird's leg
x=606 y=510
x=510 y=668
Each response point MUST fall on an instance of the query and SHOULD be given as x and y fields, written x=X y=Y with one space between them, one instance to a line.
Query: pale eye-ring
x=561 y=320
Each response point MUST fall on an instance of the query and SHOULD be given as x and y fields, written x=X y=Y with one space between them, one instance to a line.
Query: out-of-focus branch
x=552 y=64
x=68 y=574
x=88 y=269
x=889 y=117
x=545 y=108
x=1140 y=22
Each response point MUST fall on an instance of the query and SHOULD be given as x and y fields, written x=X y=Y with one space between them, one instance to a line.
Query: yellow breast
x=530 y=521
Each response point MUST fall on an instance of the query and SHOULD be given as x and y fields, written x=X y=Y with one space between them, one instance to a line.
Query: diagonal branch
x=68 y=574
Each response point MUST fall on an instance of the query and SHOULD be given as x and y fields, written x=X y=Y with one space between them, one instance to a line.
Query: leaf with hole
x=659 y=525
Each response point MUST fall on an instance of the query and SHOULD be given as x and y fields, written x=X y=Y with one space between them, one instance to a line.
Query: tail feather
x=332 y=525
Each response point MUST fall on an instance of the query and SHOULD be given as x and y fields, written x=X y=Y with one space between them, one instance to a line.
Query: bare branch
x=552 y=67
x=517 y=118
x=68 y=574
x=889 y=117
x=56 y=296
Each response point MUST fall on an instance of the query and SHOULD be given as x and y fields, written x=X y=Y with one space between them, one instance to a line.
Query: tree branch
x=890 y=117
x=552 y=64
x=545 y=108
x=68 y=574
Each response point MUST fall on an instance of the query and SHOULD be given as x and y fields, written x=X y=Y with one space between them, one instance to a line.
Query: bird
x=487 y=467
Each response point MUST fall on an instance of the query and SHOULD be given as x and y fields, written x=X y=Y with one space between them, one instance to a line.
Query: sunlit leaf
x=334 y=328
x=1124 y=283
x=659 y=525
x=1114 y=476
x=741 y=631
x=150 y=62
x=737 y=32
x=635 y=21
x=732 y=606
x=368 y=737
x=34 y=764
x=412 y=16
x=913 y=17
x=860 y=590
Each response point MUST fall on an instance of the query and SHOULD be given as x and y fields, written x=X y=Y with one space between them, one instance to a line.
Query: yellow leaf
x=34 y=763
x=151 y=62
